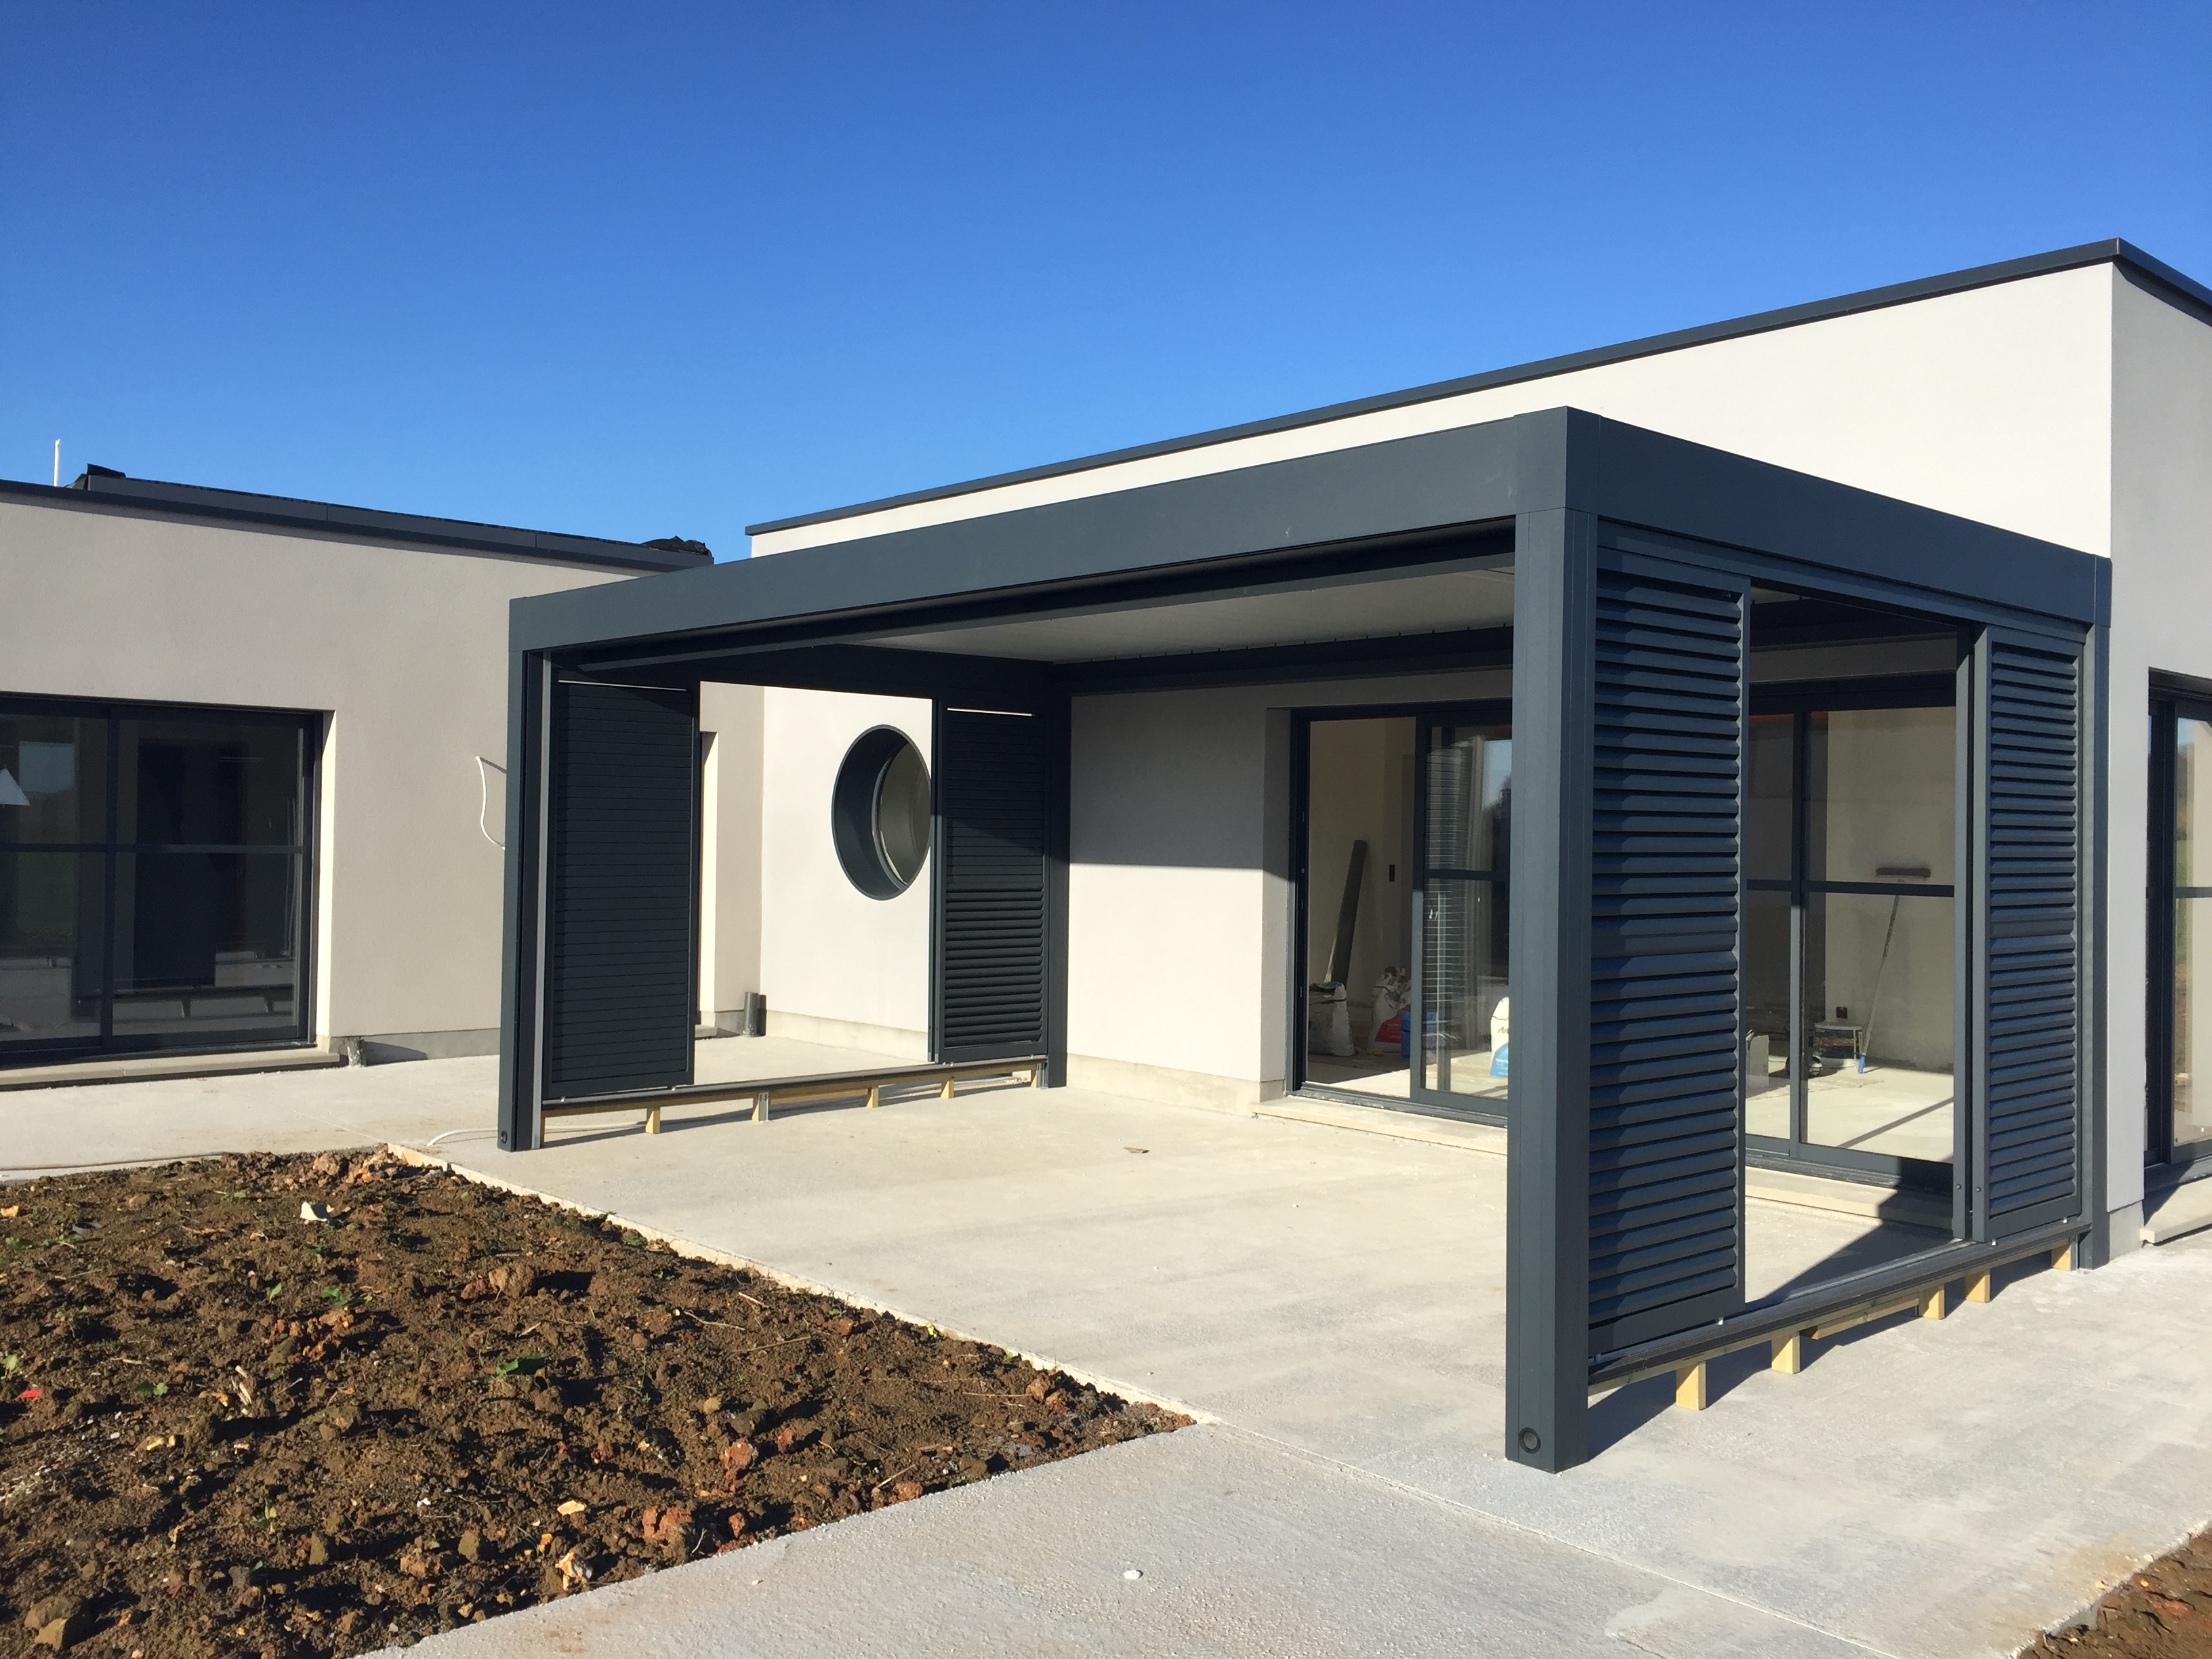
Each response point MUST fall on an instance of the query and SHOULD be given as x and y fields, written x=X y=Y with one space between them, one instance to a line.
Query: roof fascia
x=361 y=523
x=1634 y=477
x=1433 y=482
x=1215 y=527
x=2181 y=288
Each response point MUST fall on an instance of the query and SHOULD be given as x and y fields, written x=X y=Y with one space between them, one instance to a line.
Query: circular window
x=879 y=812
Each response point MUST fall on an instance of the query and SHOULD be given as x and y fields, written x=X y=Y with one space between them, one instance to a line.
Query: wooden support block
x=1790 y=1353
x=2062 y=1258
x=1982 y=1286
x=945 y=1093
x=875 y=1095
x=1690 y=1387
x=1036 y=1077
x=1935 y=1302
x=652 y=1120
x=760 y=1109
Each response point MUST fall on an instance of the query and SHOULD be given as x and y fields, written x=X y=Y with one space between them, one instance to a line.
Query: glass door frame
x=115 y=845
x=1801 y=701
x=1497 y=711
x=2167 y=710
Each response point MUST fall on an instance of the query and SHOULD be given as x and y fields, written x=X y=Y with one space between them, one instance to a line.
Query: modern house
x=251 y=772
x=1771 y=745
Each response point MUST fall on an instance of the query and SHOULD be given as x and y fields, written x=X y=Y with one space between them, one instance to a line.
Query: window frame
x=2168 y=709
x=113 y=846
x=1801 y=700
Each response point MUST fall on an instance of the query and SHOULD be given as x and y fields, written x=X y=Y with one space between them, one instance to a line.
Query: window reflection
x=175 y=920
x=2193 y=915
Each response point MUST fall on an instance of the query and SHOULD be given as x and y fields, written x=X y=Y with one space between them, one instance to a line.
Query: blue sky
x=640 y=270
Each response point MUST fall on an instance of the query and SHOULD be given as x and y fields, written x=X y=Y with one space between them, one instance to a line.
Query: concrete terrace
x=1330 y=1304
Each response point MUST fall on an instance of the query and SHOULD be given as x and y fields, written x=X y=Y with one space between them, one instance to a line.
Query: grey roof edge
x=2112 y=251
x=238 y=506
x=1219 y=523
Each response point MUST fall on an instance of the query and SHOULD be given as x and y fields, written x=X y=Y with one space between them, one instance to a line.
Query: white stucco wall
x=2162 y=547
x=2073 y=407
x=403 y=648
x=1995 y=404
x=836 y=965
x=1179 y=894
x=730 y=851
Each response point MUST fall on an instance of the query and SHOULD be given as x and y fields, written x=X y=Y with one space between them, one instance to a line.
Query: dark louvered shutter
x=622 y=843
x=2028 y=1034
x=992 y=779
x=1666 y=1191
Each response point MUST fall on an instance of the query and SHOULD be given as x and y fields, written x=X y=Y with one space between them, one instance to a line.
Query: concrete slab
x=1242 y=1550
x=1923 y=1488
x=52 y=1130
x=2172 y=1212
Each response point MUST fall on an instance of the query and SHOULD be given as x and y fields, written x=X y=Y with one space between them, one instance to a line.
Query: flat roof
x=2182 y=289
x=104 y=488
x=1370 y=512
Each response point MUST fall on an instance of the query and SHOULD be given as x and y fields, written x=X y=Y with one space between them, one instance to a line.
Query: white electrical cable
x=484 y=798
x=450 y=1134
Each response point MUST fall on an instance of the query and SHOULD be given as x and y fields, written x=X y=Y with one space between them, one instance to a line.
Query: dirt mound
x=313 y=1405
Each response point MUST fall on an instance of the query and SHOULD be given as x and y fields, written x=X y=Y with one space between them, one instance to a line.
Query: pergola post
x=1548 y=1181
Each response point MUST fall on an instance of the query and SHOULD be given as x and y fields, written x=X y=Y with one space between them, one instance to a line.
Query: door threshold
x=157 y=1068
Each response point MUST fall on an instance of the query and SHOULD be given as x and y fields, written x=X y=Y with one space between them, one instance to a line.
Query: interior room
x=1406 y=919
x=1850 y=856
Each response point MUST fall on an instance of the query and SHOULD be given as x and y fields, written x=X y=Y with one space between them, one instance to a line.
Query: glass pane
x=53 y=778
x=205 y=945
x=1882 y=783
x=2192 y=1026
x=209 y=783
x=1766 y=807
x=1470 y=783
x=901 y=815
x=1360 y=791
x=1879 y=1021
x=1766 y=1002
x=2192 y=797
x=1466 y=1013
x=50 y=934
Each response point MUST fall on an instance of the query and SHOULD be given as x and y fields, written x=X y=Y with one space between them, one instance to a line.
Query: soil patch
x=227 y=1427
x=2163 y=1612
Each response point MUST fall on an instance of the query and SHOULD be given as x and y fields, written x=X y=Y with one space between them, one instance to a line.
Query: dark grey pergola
x=1634 y=557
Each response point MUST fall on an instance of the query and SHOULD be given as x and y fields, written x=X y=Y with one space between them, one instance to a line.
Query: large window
x=2181 y=917
x=1850 y=847
x=155 y=882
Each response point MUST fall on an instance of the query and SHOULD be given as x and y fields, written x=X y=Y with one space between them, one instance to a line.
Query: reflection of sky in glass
x=1497 y=770
x=2186 y=783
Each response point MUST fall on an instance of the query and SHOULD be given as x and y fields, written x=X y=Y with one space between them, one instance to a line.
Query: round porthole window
x=879 y=812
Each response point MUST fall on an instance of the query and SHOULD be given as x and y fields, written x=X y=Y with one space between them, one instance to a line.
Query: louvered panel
x=1665 y=1147
x=992 y=780
x=619 y=891
x=2030 y=1045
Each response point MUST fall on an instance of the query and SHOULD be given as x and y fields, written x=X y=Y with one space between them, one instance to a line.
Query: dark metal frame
x=1794 y=1151
x=2167 y=708
x=1571 y=486
x=313 y=729
x=1485 y=711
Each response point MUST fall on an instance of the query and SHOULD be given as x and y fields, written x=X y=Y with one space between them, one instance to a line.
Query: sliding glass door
x=1464 y=810
x=155 y=884
x=1405 y=838
x=2180 y=904
x=1851 y=1029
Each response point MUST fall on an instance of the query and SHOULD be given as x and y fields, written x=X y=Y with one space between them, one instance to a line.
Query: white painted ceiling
x=1362 y=609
